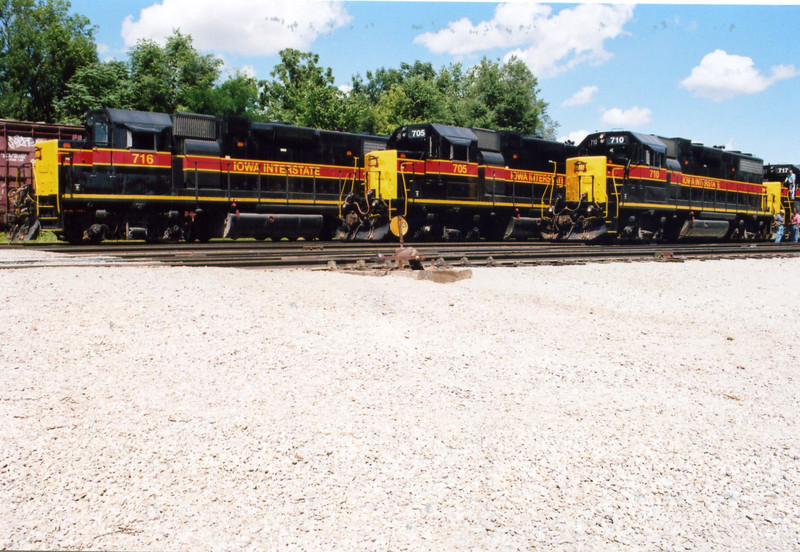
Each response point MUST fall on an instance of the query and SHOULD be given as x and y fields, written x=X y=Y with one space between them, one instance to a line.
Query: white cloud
x=548 y=43
x=721 y=75
x=581 y=97
x=243 y=27
x=576 y=136
x=512 y=25
x=630 y=118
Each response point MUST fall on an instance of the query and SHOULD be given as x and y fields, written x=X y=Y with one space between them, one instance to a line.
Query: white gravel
x=624 y=406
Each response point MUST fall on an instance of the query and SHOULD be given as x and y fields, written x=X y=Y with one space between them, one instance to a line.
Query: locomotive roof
x=143 y=121
x=458 y=136
x=651 y=140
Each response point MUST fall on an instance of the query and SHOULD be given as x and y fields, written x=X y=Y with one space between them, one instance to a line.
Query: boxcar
x=17 y=144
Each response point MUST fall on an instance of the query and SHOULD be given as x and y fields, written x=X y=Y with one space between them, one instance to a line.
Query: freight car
x=640 y=187
x=443 y=182
x=154 y=176
x=17 y=144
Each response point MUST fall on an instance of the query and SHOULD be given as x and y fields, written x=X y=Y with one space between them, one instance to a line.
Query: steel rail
x=345 y=256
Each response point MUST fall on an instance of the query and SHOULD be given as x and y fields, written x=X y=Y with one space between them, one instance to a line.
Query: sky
x=719 y=74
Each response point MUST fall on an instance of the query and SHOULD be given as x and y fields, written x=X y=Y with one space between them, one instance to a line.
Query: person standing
x=791 y=182
x=796 y=227
x=779 y=226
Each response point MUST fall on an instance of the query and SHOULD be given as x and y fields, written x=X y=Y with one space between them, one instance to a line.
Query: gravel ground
x=622 y=406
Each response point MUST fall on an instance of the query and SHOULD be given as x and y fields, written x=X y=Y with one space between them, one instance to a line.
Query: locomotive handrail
x=367 y=182
x=405 y=186
x=581 y=178
x=258 y=184
x=551 y=187
x=514 y=192
x=229 y=180
x=616 y=193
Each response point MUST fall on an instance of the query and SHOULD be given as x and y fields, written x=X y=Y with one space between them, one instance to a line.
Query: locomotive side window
x=100 y=131
x=141 y=140
x=459 y=153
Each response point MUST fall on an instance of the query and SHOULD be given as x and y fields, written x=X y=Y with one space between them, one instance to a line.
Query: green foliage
x=49 y=71
x=412 y=93
x=301 y=92
x=236 y=96
x=489 y=95
x=505 y=97
x=174 y=78
x=41 y=48
x=101 y=84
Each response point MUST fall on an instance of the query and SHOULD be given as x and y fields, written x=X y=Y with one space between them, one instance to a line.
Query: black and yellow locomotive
x=154 y=176
x=455 y=183
x=641 y=187
x=159 y=177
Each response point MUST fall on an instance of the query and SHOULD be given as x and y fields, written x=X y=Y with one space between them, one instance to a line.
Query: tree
x=236 y=96
x=414 y=93
x=176 y=77
x=41 y=47
x=489 y=95
x=301 y=92
x=505 y=97
x=96 y=86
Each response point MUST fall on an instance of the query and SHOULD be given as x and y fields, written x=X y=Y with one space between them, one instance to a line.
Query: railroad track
x=348 y=256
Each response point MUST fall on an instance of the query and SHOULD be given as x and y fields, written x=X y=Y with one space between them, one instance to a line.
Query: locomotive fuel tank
x=275 y=226
x=704 y=228
x=520 y=228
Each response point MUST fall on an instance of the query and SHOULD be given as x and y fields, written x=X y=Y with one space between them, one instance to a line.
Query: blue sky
x=718 y=74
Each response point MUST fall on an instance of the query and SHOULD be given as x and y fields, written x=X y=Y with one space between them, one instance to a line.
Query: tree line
x=50 y=71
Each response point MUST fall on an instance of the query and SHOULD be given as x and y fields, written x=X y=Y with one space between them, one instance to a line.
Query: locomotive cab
x=788 y=196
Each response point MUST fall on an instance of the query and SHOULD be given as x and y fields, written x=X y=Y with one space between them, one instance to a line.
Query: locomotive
x=641 y=187
x=451 y=183
x=159 y=177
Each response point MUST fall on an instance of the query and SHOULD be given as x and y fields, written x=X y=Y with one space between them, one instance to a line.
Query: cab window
x=100 y=134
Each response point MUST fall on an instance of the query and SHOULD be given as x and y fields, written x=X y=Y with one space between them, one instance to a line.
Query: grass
x=44 y=237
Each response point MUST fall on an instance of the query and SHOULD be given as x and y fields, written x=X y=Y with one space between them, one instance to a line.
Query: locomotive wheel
x=330 y=227
x=154 y=233
x=643 y=236
x=203 y=233
x=73 y=231
x=189 y=233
